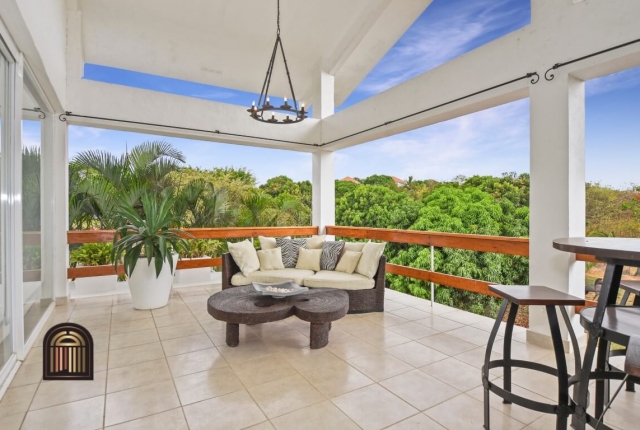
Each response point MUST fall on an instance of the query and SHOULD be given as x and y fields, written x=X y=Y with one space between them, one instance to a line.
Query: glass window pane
x=36 y=295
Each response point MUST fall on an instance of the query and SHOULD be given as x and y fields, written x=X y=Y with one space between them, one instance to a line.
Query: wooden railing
x=102 y=236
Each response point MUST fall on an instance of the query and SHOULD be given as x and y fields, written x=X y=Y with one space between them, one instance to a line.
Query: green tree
x=344 y=187
x=382 y=180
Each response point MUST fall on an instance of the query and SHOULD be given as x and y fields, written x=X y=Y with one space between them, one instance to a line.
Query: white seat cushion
x=296 y=275
x=339 y=280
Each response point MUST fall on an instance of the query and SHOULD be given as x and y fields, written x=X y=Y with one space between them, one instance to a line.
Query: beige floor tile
x=464 y=317
x=385 y=319
x=472 y=335
x=246 y=350
x=545 y=422
x=373 y=407
x=135 y=338
x=181 y=317
x=130 y=316
x=455 y=373
x=120 y=299
x=524 y=415
x=488 y=326
x=269 y=329
x=379 y=366
x=170 y=420
x=219 y=337
x=212 y=325
x=91 y=312
x=136 y=375
x=34 y=355
x=475 y=358
x=417 y=422
x=523 y=351
x=416 y=354
x=262 y=369
x=52 y=393
x=350 y=347
x=11 y=422
x=17 y=400
x=100 y=361
x=305 y=359
x=183 y=345
x=201 y=299
x=537 y=382
x=413 y=330
x=81 y=415
x=118 y=327
x=91 y=322
x=192 y=291
x=419 y=389
x=94 y=302
x=320 y=416
x=139 y=402
x=464 y=412
x=196 y=361
x=390 y=305
x=179 y=330
x=411 y=313
x=336 y=379
x=381 y=338
x=291 y=339
x=27 y=374
x=406 y=299
x=446 y=344
x=285 y=395
x=196 y=387
x=438 y=323
x=233 y=412
x=135 y=354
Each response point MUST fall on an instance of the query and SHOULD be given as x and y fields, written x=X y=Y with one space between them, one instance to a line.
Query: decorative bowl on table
x=279 y=290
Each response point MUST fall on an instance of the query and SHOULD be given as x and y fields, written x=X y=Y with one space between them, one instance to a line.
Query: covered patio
x=415 y=365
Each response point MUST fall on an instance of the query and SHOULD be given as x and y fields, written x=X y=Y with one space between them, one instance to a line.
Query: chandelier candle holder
x=264 y=111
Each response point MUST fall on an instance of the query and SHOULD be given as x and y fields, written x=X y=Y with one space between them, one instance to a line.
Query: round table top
x=604 y=248
x=244 y=305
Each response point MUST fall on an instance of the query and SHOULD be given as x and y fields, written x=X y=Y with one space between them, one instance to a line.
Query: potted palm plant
x=148 y=245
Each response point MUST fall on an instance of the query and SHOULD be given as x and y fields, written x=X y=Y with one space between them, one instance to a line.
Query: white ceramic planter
x=188 y=277
x=95 y=286
x=147 y=290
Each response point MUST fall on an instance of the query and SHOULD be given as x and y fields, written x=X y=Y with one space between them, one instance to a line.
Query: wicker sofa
x=363 y=299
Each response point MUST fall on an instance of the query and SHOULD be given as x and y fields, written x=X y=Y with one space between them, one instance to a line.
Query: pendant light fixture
x=264 y=111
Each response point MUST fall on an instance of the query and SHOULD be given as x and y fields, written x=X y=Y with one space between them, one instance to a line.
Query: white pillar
x=323 y=176
x=324 y=191
x=56 y=190
x=557 y=199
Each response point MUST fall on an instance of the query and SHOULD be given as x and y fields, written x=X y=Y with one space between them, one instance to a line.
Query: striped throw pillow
x=290 y=250
x=330 y=254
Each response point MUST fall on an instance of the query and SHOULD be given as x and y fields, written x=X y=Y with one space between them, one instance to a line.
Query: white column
x=324 y=191
x=557 y=199
x=56 y=190
x=323 y=177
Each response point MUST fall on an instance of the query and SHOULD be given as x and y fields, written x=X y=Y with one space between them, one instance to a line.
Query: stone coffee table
x=244 y=305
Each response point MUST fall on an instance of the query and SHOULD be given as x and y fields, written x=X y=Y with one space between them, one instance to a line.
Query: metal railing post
x=432 y=284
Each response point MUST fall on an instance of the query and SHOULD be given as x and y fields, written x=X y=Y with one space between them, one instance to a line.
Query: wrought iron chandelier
x=264 y=111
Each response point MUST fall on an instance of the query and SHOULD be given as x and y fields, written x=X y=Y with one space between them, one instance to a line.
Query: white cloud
x=618 y=81
x=424 y=47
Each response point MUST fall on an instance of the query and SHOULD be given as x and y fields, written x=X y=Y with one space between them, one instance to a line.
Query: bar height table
x=605 y=322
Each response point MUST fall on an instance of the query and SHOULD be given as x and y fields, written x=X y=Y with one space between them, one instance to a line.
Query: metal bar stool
x=522 y=295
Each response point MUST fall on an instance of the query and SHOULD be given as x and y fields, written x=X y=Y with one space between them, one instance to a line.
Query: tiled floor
x=412 y=367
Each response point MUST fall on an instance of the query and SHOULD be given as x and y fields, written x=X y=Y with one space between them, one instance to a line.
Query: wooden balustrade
x=102 y=236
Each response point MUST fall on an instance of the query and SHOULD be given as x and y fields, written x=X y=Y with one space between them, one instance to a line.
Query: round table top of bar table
x=608 y=249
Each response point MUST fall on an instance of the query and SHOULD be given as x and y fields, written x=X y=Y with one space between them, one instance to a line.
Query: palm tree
x=199 y=204
x=99 y=179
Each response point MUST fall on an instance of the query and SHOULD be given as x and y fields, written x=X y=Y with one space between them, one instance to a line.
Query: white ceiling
x=228 y=43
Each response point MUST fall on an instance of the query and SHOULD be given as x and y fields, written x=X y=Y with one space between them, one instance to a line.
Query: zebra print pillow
x=330 y=254
x=290 y=249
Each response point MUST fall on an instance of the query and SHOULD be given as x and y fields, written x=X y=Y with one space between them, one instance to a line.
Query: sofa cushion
x=315 y=242
x=371 y=253
x=290 y=248
x=331 y=251
x=348 y=262
x=269 y=242
x=309 y=259
x=295 y=275
x=270 y=259
x=340 y=280
x=354 y=246
x=245 y=256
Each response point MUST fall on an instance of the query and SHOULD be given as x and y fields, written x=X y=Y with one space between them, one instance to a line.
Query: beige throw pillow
x=315 y=242
x=348 y=262
x=268 y=242
x=245 y=256
x=309 y=259
x=354 y=246
x=270 y=259
x=368 y=264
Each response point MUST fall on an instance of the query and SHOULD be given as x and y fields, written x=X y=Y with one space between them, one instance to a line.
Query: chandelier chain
x=278 y=17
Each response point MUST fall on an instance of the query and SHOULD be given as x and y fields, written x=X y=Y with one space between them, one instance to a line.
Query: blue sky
x=489 y=142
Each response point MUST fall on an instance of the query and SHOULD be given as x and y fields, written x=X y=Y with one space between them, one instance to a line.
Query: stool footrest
x=546 y=408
